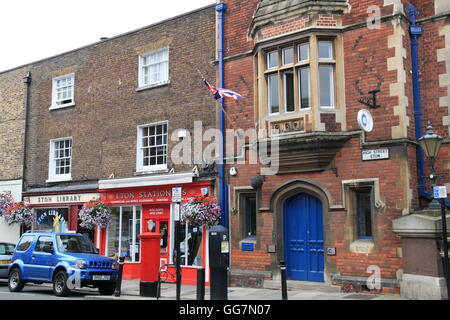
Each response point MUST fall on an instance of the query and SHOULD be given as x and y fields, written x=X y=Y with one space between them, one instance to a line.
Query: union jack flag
x=221 y=93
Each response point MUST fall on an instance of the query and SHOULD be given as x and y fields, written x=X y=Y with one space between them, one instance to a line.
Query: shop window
x=152 y=147
x=191 y=249
x=60 y=162
x=51 y=219
x=154 y=68
x=63 y=91
x=123 y=232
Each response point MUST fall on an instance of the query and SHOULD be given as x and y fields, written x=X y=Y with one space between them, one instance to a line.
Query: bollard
x=284 y=295
x=119 y=277
x=201 y=284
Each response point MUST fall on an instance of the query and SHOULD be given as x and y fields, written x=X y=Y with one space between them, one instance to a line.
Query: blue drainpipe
x=223 y=190
x=415 y=32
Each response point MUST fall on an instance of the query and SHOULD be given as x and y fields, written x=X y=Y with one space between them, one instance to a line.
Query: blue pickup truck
x=68 y=260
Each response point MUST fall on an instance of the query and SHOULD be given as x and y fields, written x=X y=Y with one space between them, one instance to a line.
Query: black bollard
x=284 y=295
x=201 y=284
x=119 y=278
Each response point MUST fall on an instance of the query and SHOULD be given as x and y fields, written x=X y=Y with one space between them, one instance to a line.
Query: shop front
x=142 y=205
x=56 y=210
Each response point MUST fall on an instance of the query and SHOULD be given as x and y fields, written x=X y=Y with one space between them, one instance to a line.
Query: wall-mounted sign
x=176 y=194
x=440 y=192
x=365 y=120
x=63 y=198
x=375 y=154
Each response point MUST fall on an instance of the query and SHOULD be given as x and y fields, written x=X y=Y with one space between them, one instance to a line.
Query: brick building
x=104 y=121
x=329 y=211
x=12 y=128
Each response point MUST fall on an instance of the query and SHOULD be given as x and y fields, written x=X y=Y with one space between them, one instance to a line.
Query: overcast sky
x=34 y=29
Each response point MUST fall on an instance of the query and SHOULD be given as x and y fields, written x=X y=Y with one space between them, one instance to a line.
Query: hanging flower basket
x=95 y=214
x=200 y=211
x=6 y=201
x=19 y=213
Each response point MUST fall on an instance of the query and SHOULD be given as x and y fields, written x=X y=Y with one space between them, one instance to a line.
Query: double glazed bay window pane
x=303 y=52
x=325 y=49
x=304 y=84
x=326 y=73
x=288 y=56
x=272 y=59
x=288 y=87
x=274 y=105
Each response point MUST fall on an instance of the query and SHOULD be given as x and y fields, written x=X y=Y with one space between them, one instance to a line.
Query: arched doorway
x=303 y=237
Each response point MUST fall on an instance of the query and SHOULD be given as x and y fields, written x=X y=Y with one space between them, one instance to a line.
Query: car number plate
x=5 y=262
x=103 y=278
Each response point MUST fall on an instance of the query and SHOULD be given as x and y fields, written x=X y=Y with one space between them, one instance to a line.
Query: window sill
x=56 y=179
x=62 y=106
x=152 y=86
x=362 y=246
x=143 y=172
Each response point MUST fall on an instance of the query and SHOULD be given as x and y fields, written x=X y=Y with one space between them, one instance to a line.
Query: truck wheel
x=107 y=289
x=60 y=288
x=15 y=282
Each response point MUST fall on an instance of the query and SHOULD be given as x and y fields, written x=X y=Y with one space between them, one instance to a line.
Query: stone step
x=302 y=285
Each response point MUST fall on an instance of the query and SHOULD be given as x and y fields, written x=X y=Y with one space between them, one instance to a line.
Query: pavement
x=130 y=291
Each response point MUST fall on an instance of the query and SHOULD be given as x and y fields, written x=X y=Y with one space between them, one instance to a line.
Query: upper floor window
x=152 y=147
x=63 y=91
x=291 y=69
x=60 y=162
x=154 y=68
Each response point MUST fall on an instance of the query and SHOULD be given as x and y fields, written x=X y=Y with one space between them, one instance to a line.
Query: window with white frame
x=60 y=162
x=63 y=91
x=152 y=147
x=123 y=233
x=154 y=68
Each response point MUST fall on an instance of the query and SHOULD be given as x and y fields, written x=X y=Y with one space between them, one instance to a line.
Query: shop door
x=161 y=226
x=303 y=238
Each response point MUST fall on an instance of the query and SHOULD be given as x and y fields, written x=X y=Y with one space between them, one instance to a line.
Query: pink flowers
x=15 y=212
x=94 y=214
x=201 y=211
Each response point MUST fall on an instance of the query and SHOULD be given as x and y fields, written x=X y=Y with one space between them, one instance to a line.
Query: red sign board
x=149 y=195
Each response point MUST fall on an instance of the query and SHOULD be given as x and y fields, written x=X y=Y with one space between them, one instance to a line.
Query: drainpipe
x=415 y=32
x=223 y=190
x=27 y=81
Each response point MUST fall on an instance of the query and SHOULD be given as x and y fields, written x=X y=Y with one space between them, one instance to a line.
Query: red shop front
x=150 y=209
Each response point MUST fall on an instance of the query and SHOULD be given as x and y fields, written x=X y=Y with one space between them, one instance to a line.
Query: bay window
x=291 y=71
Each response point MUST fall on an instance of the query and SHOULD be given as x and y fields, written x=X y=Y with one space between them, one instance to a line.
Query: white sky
x=31 y=30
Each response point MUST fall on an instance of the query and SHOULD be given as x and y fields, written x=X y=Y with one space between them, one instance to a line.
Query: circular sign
x=365 y=120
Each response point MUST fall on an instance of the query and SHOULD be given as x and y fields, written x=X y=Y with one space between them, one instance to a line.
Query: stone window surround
x=261 y=100
x=357 y=245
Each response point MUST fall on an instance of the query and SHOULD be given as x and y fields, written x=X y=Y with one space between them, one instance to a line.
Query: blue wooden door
x=303 y=238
